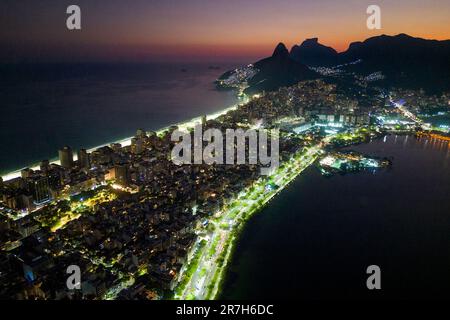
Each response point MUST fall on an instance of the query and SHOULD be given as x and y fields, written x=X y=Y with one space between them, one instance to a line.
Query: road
x=406 y=113
x=205 y=280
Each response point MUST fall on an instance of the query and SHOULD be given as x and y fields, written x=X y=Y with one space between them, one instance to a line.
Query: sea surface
x=44 y=107
x=316 y=239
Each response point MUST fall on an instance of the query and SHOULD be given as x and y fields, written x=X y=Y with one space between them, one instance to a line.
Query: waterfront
x=90 y=105
x=318 y=236
x=211 y=237
x=212 y=258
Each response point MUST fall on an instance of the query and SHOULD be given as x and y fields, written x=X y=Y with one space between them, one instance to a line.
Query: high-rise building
x=83 y=159
x=66 y=157
x=137 y=145
x=204 y=120
x=26 y=173
x=40 y=189
x=54 y=178
x=141 y=133
x=44 y=165
x=121 y=174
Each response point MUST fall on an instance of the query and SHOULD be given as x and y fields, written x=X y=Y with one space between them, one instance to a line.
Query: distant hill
x=404 y=61
x=277 y=71
x=314 y=54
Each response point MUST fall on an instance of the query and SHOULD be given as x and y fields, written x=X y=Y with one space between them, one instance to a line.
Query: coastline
x=201 y=287
x=241 y=227
x=125 y=141
x=247 y=202
x=252 y=199
x=345 y=224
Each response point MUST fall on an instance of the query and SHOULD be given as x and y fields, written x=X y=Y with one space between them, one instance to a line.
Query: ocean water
x=317 y=237
x=44 y=107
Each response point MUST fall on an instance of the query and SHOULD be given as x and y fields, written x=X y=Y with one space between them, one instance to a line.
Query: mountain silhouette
x=277 y=71
x=314 y=54
x=405 y=61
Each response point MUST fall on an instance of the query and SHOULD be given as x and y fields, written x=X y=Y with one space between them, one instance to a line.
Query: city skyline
x=225 y=150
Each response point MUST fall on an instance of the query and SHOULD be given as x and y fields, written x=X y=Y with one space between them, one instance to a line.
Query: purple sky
x=180 y=29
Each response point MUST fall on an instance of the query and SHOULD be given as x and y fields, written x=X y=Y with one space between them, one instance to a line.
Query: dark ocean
x=316 y=238
x=44 y=107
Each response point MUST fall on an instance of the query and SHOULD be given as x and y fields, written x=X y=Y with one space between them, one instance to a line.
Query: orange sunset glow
x=173 y=29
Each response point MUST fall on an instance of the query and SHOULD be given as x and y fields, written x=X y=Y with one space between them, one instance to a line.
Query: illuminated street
x=204 y=282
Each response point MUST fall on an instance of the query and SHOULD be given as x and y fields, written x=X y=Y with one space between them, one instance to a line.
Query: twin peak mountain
x=406 y=61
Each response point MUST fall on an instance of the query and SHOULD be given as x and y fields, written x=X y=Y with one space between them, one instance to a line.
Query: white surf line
x=127 y=141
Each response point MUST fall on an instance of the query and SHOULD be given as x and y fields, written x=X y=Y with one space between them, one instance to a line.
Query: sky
x=146 y=30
